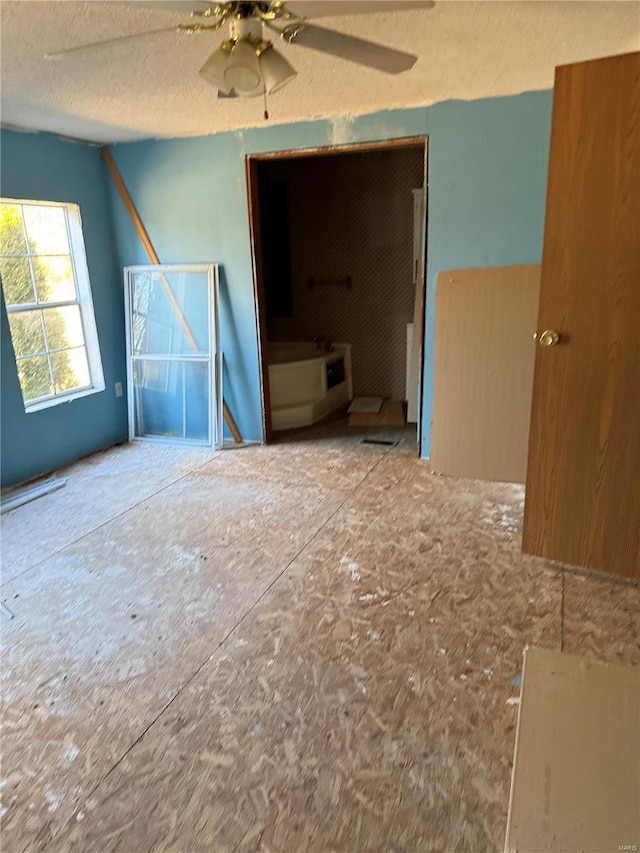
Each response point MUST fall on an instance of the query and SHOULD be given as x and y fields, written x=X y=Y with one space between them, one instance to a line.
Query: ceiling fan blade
x=184 y=7
x=299 y=8
x=354 y=49
x=329 y=8
x=60 y=54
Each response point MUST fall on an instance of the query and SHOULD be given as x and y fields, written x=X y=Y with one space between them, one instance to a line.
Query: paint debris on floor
x=311 y=646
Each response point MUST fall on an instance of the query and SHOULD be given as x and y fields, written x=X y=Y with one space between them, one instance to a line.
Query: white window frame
x=213 y=357
x=84 y=301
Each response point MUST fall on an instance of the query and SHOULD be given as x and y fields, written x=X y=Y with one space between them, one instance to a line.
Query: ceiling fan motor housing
x=246 y=28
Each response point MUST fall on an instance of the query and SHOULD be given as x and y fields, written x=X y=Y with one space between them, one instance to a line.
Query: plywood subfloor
x=313 y=646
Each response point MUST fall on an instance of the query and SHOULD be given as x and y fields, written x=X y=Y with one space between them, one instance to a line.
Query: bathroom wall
x=351 y=216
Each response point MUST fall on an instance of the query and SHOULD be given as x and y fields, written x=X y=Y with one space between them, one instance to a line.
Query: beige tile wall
x=352 y=214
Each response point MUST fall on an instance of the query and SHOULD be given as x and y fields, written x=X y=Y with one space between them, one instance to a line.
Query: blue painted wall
x=487 y=187
x=487 y=180
x=487 y=168
x=43 y=168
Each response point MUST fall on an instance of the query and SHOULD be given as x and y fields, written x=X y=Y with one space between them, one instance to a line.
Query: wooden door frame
x=252 y=162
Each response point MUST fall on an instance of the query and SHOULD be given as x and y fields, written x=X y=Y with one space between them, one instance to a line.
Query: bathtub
x=306 y=383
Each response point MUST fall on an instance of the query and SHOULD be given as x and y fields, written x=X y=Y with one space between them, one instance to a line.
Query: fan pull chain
x=266 y=108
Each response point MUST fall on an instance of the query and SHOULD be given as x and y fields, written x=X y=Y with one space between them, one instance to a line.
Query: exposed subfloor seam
x=231 y=631
x=111 y=518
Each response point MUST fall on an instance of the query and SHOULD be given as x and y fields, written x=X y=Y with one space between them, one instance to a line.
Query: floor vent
x=387 y=442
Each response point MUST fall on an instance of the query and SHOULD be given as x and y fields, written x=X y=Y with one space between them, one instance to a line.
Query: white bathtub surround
x=306 y=383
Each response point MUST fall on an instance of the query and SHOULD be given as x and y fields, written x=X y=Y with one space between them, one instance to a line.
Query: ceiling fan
x=247 y=64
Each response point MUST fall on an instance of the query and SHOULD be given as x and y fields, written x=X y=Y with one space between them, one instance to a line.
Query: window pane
x=54 y=278
x=172 y=399
x=26 y=332
x=16 y=281
x=37 y=267
x=34 y=377
x=196 y=378
x=64 y=327
x=170 y=313
x=12 y=239
x=70 y=369
x=46 y=229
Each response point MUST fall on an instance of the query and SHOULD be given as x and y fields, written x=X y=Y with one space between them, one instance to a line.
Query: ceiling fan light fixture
x=214 y=68
x=243 y=70
x=275 y=70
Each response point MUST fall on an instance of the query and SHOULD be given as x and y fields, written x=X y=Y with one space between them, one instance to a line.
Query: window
x=46 y=289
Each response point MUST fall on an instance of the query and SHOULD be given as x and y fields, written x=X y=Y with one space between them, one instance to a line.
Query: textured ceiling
x=151 y=88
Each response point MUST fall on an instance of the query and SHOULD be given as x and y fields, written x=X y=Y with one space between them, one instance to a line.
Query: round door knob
x=549 y=338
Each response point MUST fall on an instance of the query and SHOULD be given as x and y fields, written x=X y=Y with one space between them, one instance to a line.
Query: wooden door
x=583 y=476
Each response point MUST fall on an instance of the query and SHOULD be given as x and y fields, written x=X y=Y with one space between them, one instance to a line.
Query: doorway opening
x=338 y=237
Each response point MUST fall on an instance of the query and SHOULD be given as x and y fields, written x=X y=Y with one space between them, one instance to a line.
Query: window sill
x=62 y=398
